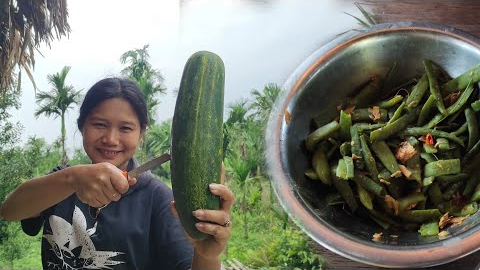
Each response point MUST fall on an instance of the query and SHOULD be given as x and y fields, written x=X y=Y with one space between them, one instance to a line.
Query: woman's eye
x=99 y=125
x=126 y=129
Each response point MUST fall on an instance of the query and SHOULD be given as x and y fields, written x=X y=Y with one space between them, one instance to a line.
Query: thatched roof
x=24 y=25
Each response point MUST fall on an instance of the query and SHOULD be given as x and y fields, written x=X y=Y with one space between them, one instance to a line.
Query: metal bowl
x=315 y=89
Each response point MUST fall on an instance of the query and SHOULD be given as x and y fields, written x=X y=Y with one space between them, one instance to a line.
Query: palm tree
x=261 y=106
x=239 y=167
x=150 y=80
x=58 y=101
x=237 y=116
x=137 y=60
x=264 y=101
x=157 y=141
x=158 y=138
x=24 y=25
x=150 y=89
x=238 y=112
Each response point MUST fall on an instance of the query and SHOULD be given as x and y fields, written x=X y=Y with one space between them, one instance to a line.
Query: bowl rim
x=288 y=196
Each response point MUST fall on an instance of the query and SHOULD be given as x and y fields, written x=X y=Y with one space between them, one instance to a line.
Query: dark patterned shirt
x=137 y=232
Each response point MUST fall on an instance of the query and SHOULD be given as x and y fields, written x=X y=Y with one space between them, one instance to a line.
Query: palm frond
x=149 y=80
x=238 y=112
x=360 y=21
x=370 y=18
x=240 y=168
x=158 y=138
x=25 y=25
x=367 y=21
x=263 y=101
x=47 y=111
x=128 y=56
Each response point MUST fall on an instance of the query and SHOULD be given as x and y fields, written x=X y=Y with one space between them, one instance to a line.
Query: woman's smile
x=109 y=154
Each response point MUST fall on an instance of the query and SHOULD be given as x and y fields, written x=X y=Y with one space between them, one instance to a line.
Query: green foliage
x=281 y=215
x=8 y=99
x=246 y=124
x=158 y=137
x=157 y=142
x=163 y=173
x=11 y=164
x=238 y=245
x=42 y=157
x=9 y=132
x=254 y=197
x=20 y=251
x=263 y=101
x=289 y=249
x=11 y=248
x=273 y=241
x=80 y=157
x=239 y=167
x=36 y=158
x=238 y=112
x=18 y=164
x=368 y=20
x=226 y=141
x=269 y=245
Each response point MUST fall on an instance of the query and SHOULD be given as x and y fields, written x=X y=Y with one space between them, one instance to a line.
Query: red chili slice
x=429 y=139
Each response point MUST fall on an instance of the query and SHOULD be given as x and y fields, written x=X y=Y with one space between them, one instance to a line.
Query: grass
x=21 y=251
x=269 y=245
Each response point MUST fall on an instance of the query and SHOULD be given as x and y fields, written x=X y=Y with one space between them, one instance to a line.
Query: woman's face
x=112 y=132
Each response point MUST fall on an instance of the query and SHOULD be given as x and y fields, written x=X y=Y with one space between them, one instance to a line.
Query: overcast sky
x=259 y=41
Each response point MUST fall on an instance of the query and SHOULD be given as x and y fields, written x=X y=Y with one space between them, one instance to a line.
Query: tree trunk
x=64 y=134
x=244 y=209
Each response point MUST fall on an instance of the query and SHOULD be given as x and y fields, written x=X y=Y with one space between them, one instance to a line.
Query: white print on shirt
x=73 y=247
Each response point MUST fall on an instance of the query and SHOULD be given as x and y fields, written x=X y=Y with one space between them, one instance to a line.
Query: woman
x=94 y=218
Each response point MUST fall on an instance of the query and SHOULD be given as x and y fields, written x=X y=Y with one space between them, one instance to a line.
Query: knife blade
x=147 y=166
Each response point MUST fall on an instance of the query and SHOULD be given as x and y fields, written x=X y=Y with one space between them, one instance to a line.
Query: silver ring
x=227 y=223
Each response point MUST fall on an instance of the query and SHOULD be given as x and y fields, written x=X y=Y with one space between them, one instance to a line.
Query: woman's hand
x=212 y=247
x=216 y=223
x=94 y=184
x=99 y=184
x=213 y=222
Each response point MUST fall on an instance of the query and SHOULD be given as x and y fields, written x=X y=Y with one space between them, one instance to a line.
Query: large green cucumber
x=197 y=138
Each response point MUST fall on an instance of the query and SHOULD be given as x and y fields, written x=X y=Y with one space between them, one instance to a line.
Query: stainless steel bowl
x=314 y=89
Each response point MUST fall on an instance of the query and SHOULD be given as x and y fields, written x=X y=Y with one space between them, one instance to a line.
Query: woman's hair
x=114 y=88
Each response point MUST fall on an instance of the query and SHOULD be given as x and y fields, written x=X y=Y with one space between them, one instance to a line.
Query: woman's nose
x=110 y=137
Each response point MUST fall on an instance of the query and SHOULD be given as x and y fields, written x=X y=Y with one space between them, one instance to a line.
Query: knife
x=147 y=166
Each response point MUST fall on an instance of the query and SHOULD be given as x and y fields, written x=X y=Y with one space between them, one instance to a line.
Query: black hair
x=114 y=88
